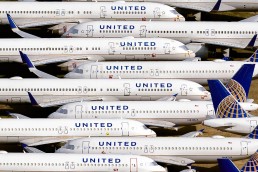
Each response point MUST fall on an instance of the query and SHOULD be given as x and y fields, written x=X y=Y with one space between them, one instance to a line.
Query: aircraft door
x=103 y=12
x=125 y=128
x=143 y=31
x=210 y=110
x=151 y=149
x=63 y=12
x=111 y=50
x=167 y=48
x=133 y=166
x=93 y=72
x=85 y=147
x=57 y=12
x=127 y=89
x=78 y=112
x=207 y=32
x=157 y=12
x=145 y=148
x=66 y=49
x=156 y=72
x=89 y=31
x=184 y=90
x=152 y=72
x=244 y=148
x=253 y=124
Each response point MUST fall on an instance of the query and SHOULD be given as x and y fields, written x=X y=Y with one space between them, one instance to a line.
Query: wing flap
x=172 y=160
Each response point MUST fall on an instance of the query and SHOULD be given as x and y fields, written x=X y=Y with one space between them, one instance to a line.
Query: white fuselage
x=52 y=90
x=238 y=5
x=76 y=162
x=199 y=71
x=33 y=14
x=199 y=149
x=51 y=50
x=185 y=32
x=238 y=125
x=17 y=130
x=179 y=113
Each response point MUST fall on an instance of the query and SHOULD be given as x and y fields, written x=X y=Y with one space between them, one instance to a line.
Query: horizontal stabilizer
x=17 y=116
x=250 y=19
x=253 y=134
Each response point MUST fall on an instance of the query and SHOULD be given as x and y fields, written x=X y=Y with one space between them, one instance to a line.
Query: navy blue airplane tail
x=226 y=165
x=239 y=85
x=225 y=104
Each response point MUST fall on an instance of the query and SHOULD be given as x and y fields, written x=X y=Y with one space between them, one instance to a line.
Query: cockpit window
x=174 y=12
x=78 y=71
x=74 y=31
x=64 y=111
x=184 y=47
x=201 y=89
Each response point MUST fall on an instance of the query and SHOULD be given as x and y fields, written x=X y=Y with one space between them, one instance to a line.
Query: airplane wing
x=205 y=7
x=46 y=23
x=46 y=140
x=32 y=150
x=172 y=160
x=234 y=43
x=193 y=133
x=16 y=29
x=17 y=116
x=157 y=123
x=250 y=19
x=68 y=100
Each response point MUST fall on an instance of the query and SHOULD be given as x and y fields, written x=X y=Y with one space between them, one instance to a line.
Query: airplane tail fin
x=252 y=164
x=254 y=57
x=253 y=134
x=225 y=104
x=239 y=85
x=226 y=165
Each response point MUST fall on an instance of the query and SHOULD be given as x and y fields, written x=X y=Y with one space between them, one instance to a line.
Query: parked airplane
x=60 y=16
x=226 y=34
x=77 y=162
x=44 y=51
x=241 y=80
x=198 y=71
x=230 y=116
x=62 y=91
x=44 y=131
x=169 y=150
x=226 y=165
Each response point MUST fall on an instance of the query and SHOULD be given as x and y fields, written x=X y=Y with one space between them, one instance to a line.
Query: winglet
x=252 y=41
x=11 y=22
x=201 y=130
x=24 y=145
x=25 y=59
x=253 y=134
x=225 y=104
x=32 y=99
x=216 y=6
x=226 y=165
x=253 y=57
x=239 y=85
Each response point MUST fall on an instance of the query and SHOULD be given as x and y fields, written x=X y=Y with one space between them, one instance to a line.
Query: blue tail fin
x=239 y=85
x=11 y=22
x=254 y=56
x=226 y=165
x=254 y=133
x=252 y=164
x=225 y=105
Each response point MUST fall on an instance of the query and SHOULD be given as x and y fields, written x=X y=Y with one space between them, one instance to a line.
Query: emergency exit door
x=133 y=166
x=103 y=12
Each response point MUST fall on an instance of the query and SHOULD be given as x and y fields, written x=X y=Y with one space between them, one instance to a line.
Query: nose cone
x=55 y=115
x=206 y=96
x=180 y=18
x=151 y=133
